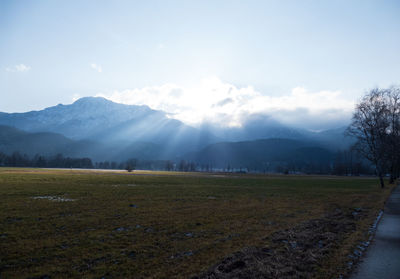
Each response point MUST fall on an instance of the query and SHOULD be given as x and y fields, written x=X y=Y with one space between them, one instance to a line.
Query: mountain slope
x=258 y=127
x=44 y=143
x=265 y=127
x=263 y=154
x=115 y=125
x=49 y=144
x=335 y=139
x=82 y=119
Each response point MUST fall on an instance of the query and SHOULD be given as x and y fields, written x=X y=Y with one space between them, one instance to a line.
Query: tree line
x=17 y=159
x=346 y=162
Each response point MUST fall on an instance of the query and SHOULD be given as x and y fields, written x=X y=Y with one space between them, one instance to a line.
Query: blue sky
x=55 y=51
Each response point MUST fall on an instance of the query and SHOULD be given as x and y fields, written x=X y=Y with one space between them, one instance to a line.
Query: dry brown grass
x=159 y=224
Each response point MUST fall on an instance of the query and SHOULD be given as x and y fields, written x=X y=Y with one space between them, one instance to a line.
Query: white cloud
x=225 y=104
x=96 y=67
x=18 y=68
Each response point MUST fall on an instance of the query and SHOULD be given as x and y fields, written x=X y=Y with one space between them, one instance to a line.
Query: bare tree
x=369 y=126
x=393 y=133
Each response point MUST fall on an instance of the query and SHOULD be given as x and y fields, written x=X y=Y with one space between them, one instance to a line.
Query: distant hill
x=44 y=143
x=334 y=139
x=258 y=127
x=267 y=154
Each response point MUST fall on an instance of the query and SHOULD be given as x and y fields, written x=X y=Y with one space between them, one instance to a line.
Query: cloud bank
x=216 y=102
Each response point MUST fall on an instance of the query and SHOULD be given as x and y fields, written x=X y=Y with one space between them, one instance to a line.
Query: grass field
x=67 y=223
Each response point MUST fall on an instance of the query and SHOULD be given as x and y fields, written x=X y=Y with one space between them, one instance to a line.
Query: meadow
x=98 y=224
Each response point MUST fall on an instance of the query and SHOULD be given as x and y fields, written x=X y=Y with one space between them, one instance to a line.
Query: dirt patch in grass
x=292 y=253
x=53 y=198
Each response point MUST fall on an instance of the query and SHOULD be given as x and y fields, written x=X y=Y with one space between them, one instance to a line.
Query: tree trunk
x=381 y=181
x=392 y=175
x=392 y=178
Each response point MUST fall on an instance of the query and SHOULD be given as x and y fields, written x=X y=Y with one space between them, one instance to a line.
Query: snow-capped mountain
x=82 y=119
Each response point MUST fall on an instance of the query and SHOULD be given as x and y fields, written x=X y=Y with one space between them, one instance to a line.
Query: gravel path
x=382 y=259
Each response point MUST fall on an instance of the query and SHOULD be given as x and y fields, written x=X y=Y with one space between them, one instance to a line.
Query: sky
x=305 y=63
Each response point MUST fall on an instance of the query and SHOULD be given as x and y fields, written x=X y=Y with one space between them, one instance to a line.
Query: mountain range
x=104 y=130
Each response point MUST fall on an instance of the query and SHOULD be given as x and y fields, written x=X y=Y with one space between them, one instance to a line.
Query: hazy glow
x=215 y=101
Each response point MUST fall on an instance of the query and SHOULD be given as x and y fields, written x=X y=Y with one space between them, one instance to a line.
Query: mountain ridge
x=113 y=124
x=117 y=131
